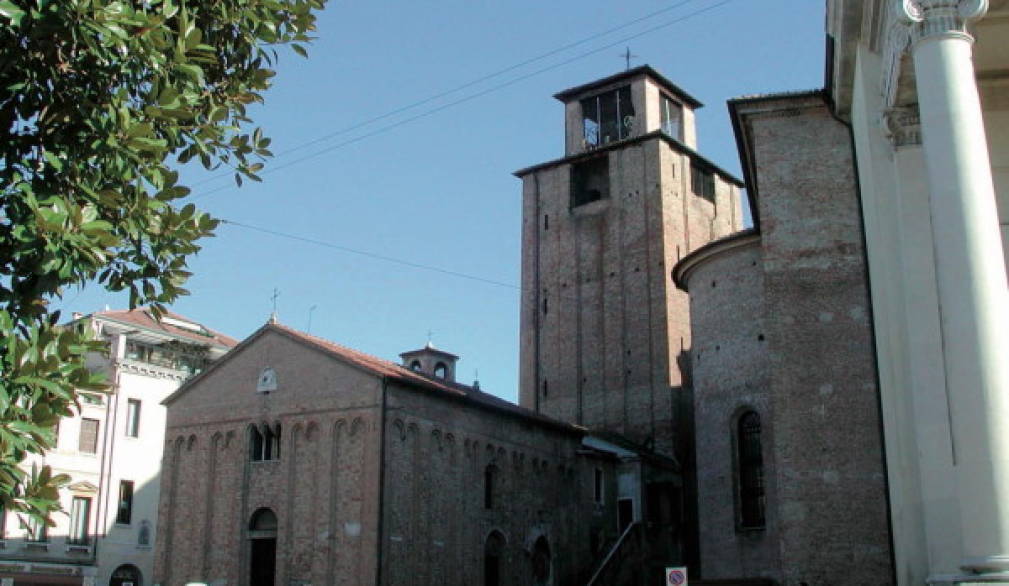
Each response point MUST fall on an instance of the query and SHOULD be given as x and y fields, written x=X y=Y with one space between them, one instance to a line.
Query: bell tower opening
x=432 y=362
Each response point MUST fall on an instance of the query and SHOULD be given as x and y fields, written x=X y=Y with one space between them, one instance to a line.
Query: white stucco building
x=924 y=85
x=112 y=451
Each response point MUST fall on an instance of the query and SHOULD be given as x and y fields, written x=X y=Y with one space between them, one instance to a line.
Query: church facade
x=691 y=393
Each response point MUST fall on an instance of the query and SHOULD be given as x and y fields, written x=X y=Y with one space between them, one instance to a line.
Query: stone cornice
x=910 y=21
x=930 y=18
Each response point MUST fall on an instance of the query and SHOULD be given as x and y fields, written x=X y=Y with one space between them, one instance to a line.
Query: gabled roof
x=172 y=324
x=387 y=370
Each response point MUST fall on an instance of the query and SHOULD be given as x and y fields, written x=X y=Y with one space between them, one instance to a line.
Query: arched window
x=489 y=478
x=441 y=370
x=542 y=569
x=415 y=365
x=265 y=444
x=493 y=551
x=255 y=444
x=750 y=472
x=263 y=521
x=126 y=575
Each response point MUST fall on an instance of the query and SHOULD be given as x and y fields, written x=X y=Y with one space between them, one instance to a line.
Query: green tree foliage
x=98 y=99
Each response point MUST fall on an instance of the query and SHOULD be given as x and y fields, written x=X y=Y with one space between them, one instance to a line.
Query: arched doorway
x=492 y=554
x=262 y=548
x=542 y=570
x=126 y=575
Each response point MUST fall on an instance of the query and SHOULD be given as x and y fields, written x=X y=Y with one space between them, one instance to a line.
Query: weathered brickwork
x=321 y=488
x=370 y=469
x=603 y=329
x=730 y=378
x=435 y=520
x=781 y=326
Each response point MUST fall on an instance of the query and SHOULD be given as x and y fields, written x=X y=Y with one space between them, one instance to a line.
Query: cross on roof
x=628 y=56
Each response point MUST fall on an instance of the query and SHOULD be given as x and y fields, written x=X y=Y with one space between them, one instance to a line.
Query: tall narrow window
x=80 y=519
x=268 y=444
x=265 y=444
x=671 y=117
x=133 y=418
x=87 y=442
x=124 y=514
x=493 y=551
x=751 y=471
x=597 y=485
x=144 y=535
x=703 y=182
x=255 y=444
x=489 y=477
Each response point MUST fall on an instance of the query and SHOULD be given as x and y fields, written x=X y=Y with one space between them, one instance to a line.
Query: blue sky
x=433 y=185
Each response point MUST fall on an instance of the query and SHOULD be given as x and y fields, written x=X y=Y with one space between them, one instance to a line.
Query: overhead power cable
x=459 y=88
x=373 y=255
x=474 y=96
x=403 y=262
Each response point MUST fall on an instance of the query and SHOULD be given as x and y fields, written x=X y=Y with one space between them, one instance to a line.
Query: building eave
x=655 y=134
x=686 y=265
x=642 y=70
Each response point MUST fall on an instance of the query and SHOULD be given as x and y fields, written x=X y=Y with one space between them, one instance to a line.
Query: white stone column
x=973 y=298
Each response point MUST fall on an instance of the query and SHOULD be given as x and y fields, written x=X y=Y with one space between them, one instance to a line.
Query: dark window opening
x=441 y=370
x=264 y=445
x=625 y=514
x=489 y=478
x=124 y=512
x=415 y=365
x=492 y=553
x=590 y=181
x=541 y=562
x=597 y=485
x=546 y=388
x=702 y=182
x=546 y=305
x=750 y=472
x=546 y=221
x=87 y=442
x=607 y=117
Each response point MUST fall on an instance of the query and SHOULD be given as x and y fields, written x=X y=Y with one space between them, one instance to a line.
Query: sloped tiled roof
x=399 y=373
x=142 y=317
x=394 y=372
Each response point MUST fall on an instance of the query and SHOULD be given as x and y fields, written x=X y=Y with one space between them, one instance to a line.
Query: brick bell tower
x=604 y=331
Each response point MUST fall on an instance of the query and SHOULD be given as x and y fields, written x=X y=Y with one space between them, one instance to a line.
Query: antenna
x=310 y=310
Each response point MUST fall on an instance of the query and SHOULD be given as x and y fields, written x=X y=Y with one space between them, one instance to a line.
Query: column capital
x=930 y=18
x=903 y=126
